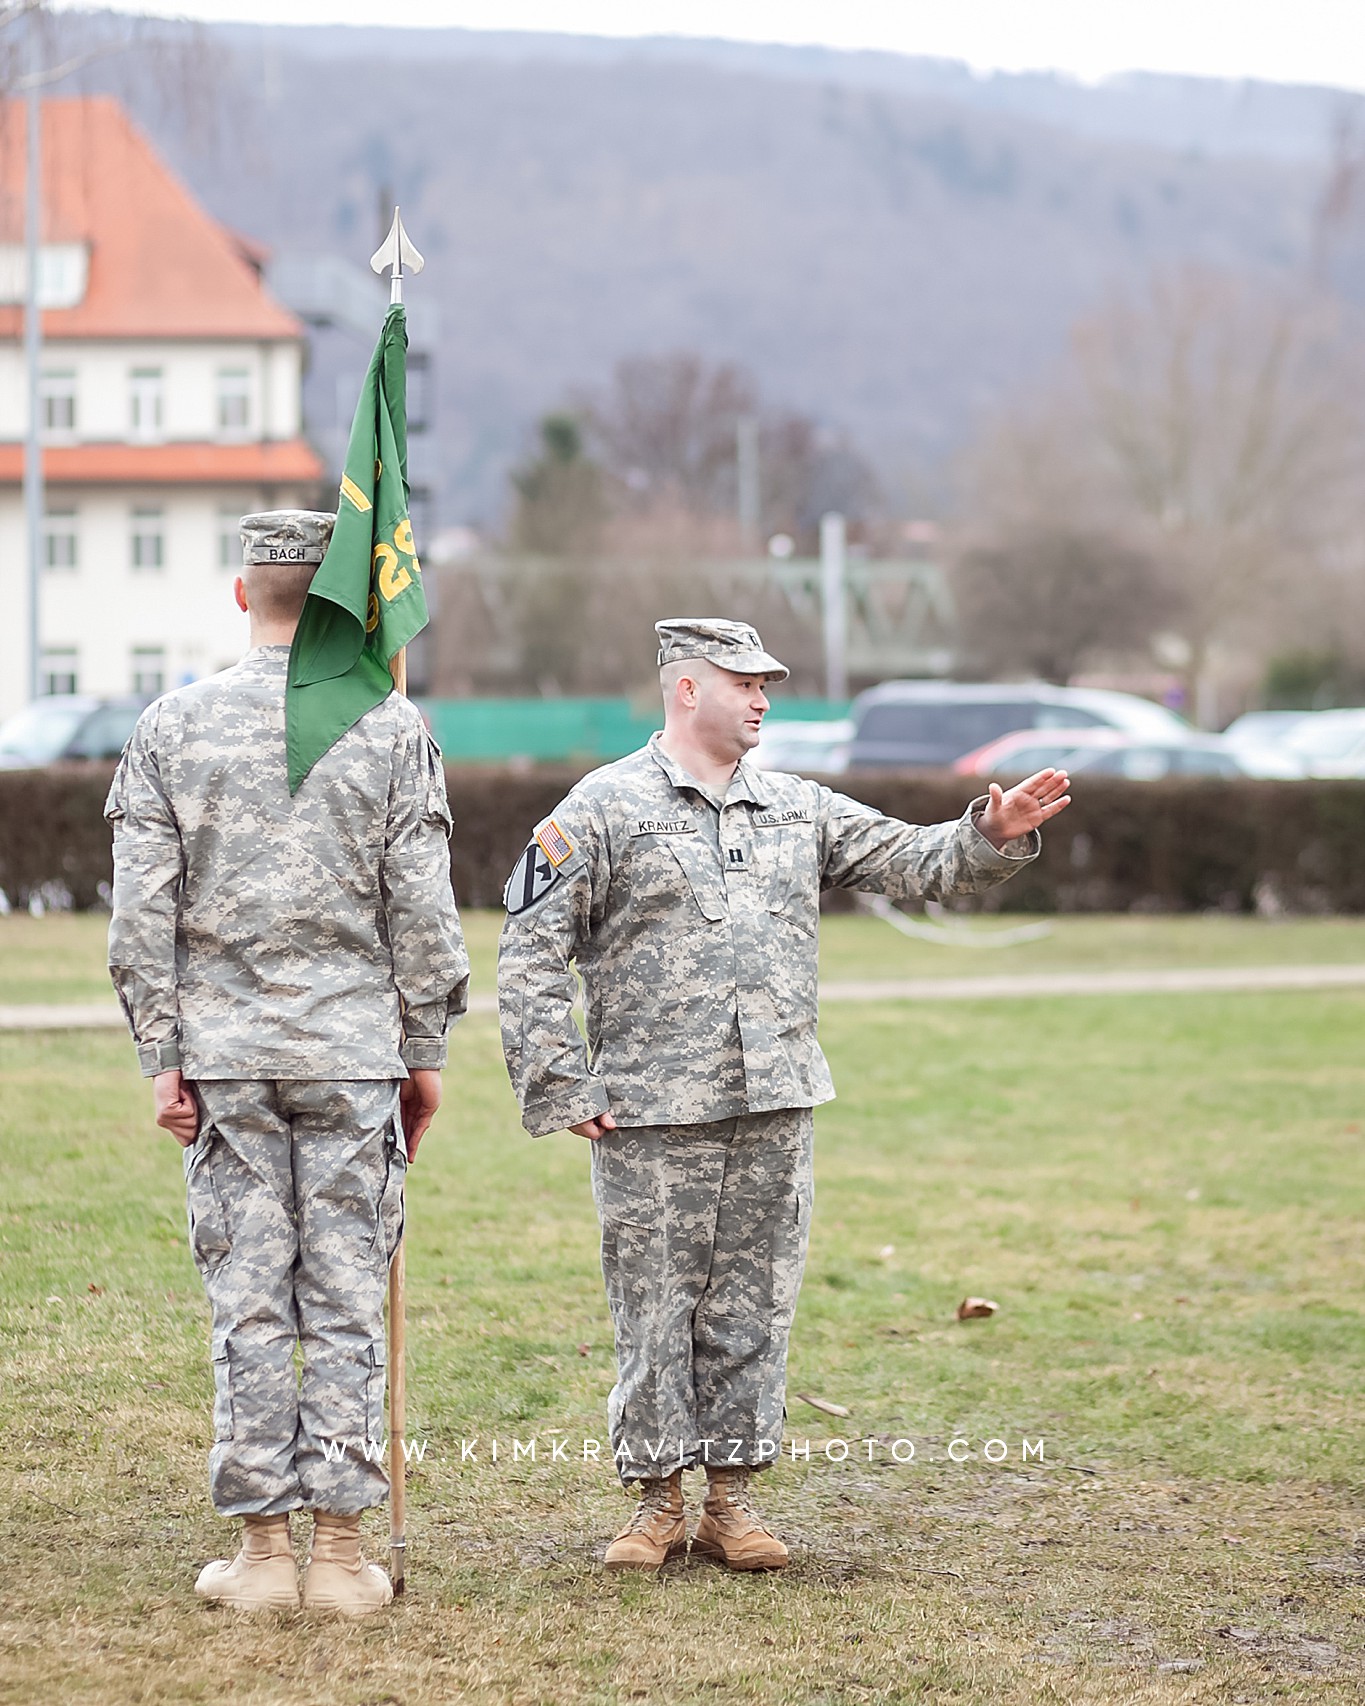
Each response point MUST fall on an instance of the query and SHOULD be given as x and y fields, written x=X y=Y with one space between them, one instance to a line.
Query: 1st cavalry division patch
x=533 y=876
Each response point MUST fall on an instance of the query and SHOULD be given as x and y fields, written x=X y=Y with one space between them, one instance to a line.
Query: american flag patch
x=554 y=844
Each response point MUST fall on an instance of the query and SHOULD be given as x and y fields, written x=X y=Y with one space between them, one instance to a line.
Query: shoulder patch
x=554 y=844
x=533 y=876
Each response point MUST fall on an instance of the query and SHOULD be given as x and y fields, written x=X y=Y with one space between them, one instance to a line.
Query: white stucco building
x=170 y=407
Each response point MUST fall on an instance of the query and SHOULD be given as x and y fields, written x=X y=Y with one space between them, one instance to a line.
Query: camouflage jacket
x=692 y=922
x=259 y=936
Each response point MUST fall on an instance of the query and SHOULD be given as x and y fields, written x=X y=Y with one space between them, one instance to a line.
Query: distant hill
x=890 y=244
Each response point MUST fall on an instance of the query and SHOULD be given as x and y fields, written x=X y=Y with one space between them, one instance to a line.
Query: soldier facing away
x=684 y=884
x=289 y=968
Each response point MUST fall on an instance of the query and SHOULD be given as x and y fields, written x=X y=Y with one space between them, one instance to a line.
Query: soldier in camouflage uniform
x=289 y=968
x=684 y=884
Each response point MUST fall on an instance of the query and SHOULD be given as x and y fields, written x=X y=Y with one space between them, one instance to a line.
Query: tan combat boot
x=338 y=1578
x=263 y=1575
x=731 y=1532
x=657 y=1531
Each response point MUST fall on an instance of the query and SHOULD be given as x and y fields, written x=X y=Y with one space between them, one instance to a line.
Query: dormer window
x=146 y=406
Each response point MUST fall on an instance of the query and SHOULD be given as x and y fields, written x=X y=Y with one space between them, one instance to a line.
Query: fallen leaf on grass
x=95 y=1290
x=823 y=1405
x=975 y=1308
x=583 y=1350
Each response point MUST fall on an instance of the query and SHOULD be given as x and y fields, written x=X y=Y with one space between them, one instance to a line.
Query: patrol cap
x=286 y=536
x=733 y=645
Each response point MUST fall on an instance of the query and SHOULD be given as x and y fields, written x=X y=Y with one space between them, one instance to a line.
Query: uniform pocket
x=375 y=1417
x=787 y=856
x=622 y=1184
x=391 y=1202
x=208 y=1234
x=698 y=863
x=222 y=1391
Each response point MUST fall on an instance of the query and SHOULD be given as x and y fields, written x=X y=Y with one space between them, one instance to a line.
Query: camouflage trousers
x=295 y=1198
x=704 y=1237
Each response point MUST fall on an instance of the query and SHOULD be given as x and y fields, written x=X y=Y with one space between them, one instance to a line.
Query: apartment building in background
x=170 y=406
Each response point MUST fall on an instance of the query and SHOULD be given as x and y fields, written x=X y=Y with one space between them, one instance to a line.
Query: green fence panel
x=548 y=731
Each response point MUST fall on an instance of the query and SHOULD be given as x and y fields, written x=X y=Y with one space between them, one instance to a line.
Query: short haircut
x=276 y=591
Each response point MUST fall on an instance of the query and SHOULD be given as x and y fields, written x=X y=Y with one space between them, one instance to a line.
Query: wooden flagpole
x=395 y=252
x=398 y=1343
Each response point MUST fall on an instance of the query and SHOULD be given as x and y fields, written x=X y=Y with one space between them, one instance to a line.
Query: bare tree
x=1050 y=597
x=665 y=428
x=1224 y=421
x=1189 y=471
x=665 y=431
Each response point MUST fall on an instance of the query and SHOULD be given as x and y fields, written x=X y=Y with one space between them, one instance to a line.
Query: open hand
x=1025 y=807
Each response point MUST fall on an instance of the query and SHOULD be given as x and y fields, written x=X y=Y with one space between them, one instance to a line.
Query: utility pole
x=834 y=605
x=33 y=359
x=747 y=477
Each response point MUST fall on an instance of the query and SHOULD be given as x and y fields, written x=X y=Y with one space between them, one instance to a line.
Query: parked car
x=65 y=726
x=1262 y=738
x=1329 y=743
x=821 y=747
x=1263 y=728
x=1102 y=752
x=914 y=724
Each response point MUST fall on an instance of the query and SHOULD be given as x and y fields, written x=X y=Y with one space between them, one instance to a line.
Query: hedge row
x=1178 y=846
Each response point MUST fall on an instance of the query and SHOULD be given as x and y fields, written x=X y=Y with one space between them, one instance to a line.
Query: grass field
x=1164 y=1195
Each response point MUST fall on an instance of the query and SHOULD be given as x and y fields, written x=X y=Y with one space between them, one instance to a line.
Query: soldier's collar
x=265 y=660
x=746 y=783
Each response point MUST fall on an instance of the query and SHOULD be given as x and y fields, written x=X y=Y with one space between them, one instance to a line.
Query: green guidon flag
x=366 y=600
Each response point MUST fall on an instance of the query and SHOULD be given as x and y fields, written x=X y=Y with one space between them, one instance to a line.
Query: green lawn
x=1164 y=1195
x=61 y=957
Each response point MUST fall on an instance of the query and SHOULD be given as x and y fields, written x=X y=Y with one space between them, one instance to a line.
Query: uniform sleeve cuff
x=423 y=1054
x=541 y=1118
x=158 y=1057
x=1016 y=852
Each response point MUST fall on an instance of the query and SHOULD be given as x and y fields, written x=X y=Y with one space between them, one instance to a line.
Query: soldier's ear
x=239 y=593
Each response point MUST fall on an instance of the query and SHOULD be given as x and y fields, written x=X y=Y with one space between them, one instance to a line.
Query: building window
x=149 y=671
x=229 y=538
x=148 y=540
x=145 y=402
x=59 y=540
x=58 y=670
x=234 y=401
x=57 y=402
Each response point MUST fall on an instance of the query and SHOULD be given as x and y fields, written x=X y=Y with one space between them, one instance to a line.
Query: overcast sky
x=1312 y=41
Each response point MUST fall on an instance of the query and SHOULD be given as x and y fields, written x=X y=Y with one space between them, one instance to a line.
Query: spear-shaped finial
x=397 y=251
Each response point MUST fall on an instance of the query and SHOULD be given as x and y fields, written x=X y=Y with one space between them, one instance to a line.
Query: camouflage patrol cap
x=286 y=536
x=732 y=645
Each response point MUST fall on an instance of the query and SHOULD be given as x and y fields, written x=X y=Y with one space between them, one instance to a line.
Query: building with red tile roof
x=170 y=399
